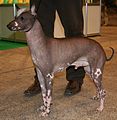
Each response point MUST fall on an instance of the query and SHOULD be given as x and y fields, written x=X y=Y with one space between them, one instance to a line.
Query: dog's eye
x=22 y=18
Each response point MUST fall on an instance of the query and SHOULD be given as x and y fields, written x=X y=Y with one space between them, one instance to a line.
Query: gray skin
x=51 y=55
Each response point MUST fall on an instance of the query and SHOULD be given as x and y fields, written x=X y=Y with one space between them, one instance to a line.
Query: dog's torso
x=52 y=54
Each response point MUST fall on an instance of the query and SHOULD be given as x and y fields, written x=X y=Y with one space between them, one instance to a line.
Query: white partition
x=92 y=21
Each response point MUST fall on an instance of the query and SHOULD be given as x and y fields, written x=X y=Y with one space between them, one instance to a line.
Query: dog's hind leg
x=97 y=78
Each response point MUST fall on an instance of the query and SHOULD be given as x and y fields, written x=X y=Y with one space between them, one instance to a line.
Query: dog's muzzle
x=9 y=27
x=13 y=26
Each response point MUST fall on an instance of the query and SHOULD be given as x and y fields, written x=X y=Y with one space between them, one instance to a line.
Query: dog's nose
x=9 y=26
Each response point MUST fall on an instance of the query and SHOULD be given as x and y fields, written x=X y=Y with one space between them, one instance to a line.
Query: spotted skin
x=101 y=93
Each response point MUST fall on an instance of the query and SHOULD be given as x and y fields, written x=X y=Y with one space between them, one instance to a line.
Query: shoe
x=73 y=87
x=34 y=89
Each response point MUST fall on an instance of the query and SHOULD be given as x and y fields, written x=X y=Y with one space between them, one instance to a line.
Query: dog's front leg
x=45 y=84
x=47 y=97
x=48 y=81
x=43 y=88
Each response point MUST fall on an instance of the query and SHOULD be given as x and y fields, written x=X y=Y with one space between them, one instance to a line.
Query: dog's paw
x=42 y=108
x=44 y=114
x=100 y=109
x=95 y=97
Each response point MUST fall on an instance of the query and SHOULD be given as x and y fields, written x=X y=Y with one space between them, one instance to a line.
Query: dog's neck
x=35 y=36
x=35 y=32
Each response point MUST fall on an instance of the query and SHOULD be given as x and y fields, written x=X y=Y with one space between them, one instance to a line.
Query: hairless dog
x=51 y=55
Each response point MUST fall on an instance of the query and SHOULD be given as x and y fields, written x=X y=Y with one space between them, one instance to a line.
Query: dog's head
x=23 y=21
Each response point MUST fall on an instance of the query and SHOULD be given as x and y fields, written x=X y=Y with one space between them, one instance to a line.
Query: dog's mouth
x=14 y=28
x=17 y=28
x=9 y=27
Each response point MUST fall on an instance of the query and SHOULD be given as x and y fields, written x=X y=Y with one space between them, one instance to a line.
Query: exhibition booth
x=91 y=14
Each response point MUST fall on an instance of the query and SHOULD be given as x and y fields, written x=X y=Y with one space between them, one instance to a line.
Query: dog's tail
x=108 y=59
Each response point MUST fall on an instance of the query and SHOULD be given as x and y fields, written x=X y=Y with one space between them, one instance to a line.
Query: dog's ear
x=33 y=10
x=17 y=7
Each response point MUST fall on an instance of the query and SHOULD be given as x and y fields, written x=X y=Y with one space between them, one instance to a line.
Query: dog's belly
x=82 y=61
x=59 y=68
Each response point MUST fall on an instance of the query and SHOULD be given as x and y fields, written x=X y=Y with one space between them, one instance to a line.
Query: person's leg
x=70 y=13
x=75 y=80
x=46 y=16
x=34 y=89
x=71 y=16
